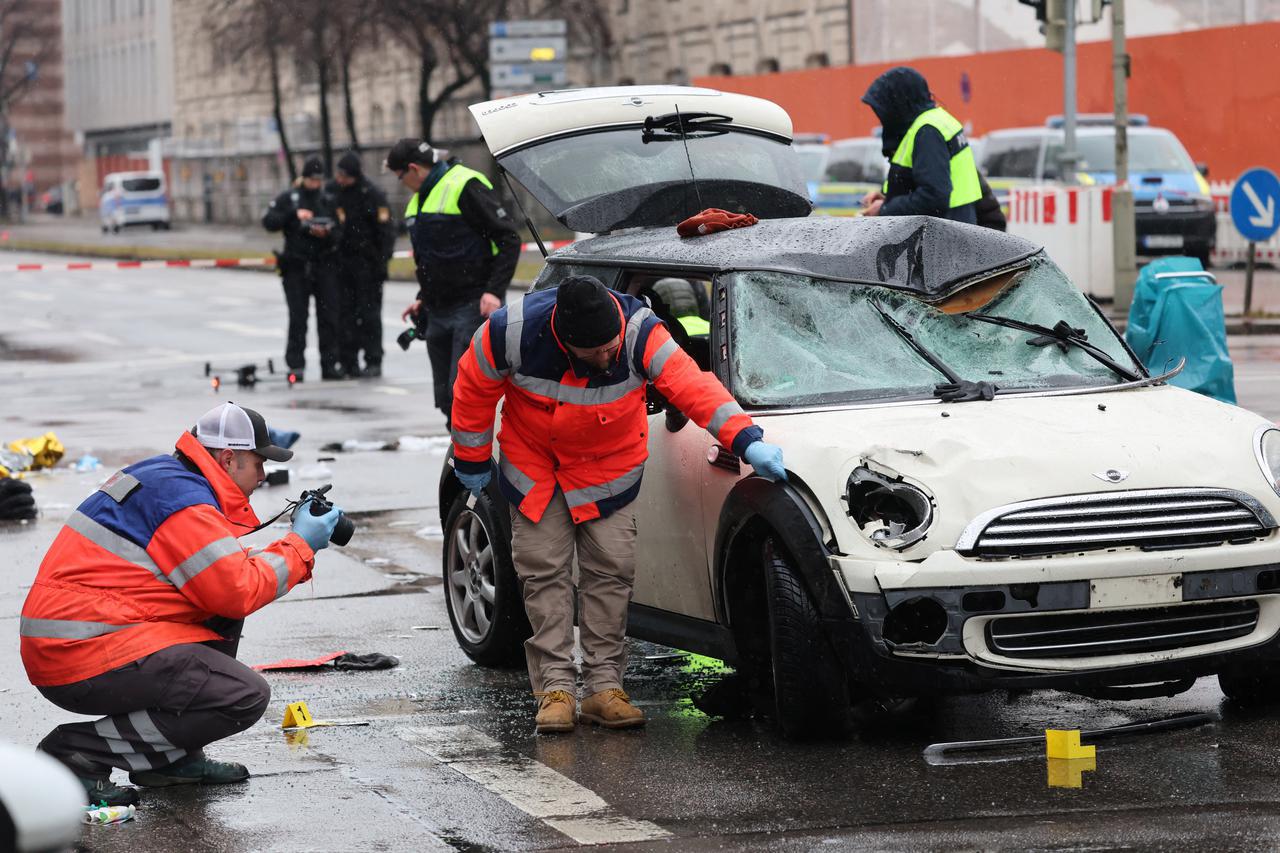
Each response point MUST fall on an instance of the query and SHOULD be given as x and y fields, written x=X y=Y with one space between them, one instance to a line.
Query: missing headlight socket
x=890 y=511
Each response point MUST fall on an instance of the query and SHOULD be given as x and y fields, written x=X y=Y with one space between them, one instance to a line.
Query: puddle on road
x=328 y=406
x=58 y=355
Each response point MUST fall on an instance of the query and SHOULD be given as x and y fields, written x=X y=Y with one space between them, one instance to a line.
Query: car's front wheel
x=481 y=590
x=810 y=686
x=1259 y=684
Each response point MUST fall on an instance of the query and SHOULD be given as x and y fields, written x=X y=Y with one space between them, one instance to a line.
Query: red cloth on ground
x=714 y=219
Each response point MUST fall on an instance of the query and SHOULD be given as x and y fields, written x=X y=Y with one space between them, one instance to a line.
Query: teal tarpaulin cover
x=1180 y=316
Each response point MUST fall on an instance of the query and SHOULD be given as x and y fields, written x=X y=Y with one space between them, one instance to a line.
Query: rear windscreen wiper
x=681 y=125
x=1064 y=337
x=956 y=389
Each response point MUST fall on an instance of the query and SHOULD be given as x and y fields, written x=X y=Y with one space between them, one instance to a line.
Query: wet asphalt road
x=113 y=363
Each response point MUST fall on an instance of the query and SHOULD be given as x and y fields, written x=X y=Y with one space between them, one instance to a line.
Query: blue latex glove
x=316 y=529
x=766 y=459
x=475 y=483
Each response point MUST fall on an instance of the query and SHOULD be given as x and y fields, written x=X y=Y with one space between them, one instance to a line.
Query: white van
x=134 y=198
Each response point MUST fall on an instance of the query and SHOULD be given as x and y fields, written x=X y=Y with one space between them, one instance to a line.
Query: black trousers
x=159 y=709
x=360 y=295
x=302 y=281
x=449 y=331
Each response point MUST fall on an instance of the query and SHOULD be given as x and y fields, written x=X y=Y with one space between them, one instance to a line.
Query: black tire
x=810 y=686
x=1255 y=685
x=490 y=628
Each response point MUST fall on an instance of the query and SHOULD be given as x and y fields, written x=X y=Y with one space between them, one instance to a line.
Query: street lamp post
x=1125 y=265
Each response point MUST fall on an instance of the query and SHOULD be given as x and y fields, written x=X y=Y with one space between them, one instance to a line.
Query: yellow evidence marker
x=296 y=716
x=1060 y=743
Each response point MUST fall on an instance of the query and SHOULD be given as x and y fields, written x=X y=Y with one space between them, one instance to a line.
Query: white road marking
x=168 y=293
x=101 y=338
x=245 y=329
x=33 y=296
x=33 y=323
x=531 y=786
x=391 y=389
x=230 y=301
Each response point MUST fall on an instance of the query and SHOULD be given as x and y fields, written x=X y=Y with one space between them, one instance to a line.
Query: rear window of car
x=1011 y=157
x=141 y=185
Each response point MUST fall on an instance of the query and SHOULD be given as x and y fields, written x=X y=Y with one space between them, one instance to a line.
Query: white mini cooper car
x=985 y=488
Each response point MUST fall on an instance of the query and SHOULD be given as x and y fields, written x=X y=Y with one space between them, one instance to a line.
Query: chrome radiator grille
x=1151 y=519
x=1119 y=632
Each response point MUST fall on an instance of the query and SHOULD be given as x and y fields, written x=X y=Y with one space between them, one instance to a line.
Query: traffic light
x=1052 y=15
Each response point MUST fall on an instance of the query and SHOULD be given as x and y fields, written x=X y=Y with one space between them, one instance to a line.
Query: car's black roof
x=925 y=255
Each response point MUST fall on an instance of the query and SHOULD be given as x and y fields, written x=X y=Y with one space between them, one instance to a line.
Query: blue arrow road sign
x=1253 y=204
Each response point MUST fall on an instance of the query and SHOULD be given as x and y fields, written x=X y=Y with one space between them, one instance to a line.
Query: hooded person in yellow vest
x=465 y=249
x=931 y=166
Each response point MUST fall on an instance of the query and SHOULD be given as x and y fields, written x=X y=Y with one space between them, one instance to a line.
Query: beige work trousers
x=543 y=555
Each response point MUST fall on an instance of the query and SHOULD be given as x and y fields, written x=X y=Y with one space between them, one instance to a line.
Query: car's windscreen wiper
x=1064 y=337
x=682 y=125
x=956 y=389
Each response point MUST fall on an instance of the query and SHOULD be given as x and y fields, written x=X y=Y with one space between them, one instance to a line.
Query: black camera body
x=342 y=532
x=416 y=332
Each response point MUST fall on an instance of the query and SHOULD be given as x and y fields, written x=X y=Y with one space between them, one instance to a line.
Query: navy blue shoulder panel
x=167 y=487
x=540 y=355
x=498 y=338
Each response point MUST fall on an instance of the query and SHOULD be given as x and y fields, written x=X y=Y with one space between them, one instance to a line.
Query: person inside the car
x=931 y=166
x=573 y=362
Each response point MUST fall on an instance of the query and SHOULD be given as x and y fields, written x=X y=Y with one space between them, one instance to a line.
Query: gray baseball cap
x=238 y=428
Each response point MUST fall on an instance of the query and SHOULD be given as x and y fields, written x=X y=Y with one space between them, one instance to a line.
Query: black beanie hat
x=586 y=314
x=313 y=168
x=350 y=163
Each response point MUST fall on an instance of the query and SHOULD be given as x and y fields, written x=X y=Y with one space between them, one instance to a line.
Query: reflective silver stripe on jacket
x=660 y=357
x=721 y=416
x=591 y=494
x=576 y=395
x=515 y=327
x=114 y=543
x=477 y=349
x=471 y=439
x=203 y=559
x=515 y=476
x=65 y=629
x=279 y=565
x=632 y=336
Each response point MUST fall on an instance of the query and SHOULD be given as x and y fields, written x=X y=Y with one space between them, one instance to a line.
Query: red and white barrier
x=200 y=263
x=1074 y=226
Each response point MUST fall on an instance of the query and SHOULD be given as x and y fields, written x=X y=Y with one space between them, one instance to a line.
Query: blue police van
x=133 y=198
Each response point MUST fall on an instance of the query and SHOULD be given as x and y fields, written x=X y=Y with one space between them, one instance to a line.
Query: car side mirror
x=1203 y=169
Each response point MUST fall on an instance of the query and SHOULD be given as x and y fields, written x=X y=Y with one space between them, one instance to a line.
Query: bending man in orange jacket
x=573 y=363
x=137 y=607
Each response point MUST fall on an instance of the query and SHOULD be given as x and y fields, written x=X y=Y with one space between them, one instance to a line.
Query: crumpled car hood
x=972 y=457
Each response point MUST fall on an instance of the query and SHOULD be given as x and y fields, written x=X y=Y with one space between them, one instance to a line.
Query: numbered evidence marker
x=297 y=716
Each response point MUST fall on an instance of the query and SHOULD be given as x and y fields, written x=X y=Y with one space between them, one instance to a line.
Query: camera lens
x=342 y=531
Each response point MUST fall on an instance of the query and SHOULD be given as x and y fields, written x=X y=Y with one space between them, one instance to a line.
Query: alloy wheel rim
x=469 y=577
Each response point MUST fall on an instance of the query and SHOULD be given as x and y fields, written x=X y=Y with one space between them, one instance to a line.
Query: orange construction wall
x=1218 y=89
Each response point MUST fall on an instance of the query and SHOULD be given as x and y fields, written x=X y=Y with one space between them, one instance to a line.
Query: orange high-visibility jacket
x=563 y=425
x=143 y=561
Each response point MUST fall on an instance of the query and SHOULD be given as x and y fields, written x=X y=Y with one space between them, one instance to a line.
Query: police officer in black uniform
x=368 y=240
x=465 y=248
x=308 y=216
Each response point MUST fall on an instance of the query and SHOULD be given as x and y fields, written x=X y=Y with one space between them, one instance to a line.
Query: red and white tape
x=199 y=263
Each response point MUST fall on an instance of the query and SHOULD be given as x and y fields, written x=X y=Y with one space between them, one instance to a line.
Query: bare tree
x=451 y=39
x=28 y=38
x=247 y=31
x=355 y=33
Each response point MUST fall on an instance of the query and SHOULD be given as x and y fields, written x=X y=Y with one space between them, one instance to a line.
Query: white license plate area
x=1162 y=241
x=1135 y=592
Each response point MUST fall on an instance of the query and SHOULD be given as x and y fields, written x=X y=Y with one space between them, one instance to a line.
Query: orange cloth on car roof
x=714 y=219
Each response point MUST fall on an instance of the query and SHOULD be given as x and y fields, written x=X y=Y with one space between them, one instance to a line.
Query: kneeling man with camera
x=137 y=608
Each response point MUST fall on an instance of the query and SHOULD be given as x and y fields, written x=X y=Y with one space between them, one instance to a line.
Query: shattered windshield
x=803 y=341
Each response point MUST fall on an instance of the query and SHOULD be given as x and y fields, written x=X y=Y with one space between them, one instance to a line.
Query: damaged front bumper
x=1085 y=623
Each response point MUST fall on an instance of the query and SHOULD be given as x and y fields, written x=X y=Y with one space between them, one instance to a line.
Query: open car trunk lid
x=642 y=156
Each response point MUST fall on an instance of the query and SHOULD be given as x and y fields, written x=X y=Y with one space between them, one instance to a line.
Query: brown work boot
x=556 y=712
x=612 y=709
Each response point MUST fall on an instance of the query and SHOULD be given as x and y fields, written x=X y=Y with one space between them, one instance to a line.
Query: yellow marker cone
x=1065 y=772
x=1061 y=743
x=296 y=716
